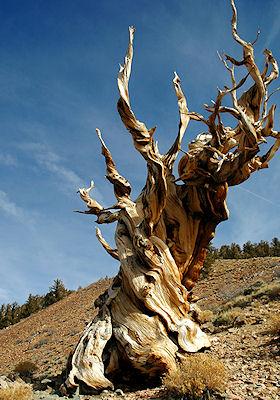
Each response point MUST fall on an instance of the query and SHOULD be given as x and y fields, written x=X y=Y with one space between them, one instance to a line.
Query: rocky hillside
x=240 y=311
x=47 y=337
x=244 y=298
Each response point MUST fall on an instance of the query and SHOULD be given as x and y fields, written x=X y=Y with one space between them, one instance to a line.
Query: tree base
x=123 y=337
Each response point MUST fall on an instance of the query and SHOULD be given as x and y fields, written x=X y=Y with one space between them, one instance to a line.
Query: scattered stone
x=5 y=382
x=46 y=381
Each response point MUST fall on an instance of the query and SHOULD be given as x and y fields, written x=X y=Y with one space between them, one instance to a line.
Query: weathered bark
x=145 y=318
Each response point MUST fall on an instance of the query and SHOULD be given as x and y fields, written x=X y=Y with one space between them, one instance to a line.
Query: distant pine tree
x=13 y=313
x=249 y=250
x=275 y=247
x=212 y=255
x=57 y=292
x=8 y=315
x=224 y=251
x=262 y=249
x=2 y=316
x=32 y=305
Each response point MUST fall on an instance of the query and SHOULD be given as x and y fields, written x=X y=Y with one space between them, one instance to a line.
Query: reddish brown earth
x=250 y=351
x=47 y=337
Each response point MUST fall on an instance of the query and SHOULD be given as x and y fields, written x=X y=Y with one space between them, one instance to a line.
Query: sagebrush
x=198 y=375
x=205 y=316
x=228 y=317
x=25 y=368
x=273 y=326
x=17 y=391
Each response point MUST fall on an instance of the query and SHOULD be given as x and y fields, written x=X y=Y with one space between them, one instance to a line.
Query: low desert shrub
x=241 y=301
x=271 y=291
x=273 y=326
x=40 y=343
x=263 y=292
x=252 y=288
x=25 y=368
x=228 y=317
x=205 y=316
x=17 y=391
x=197 y=376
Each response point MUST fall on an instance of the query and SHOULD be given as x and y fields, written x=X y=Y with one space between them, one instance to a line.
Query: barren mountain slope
x=246 y=346
x=247 y=294
x=229 y=278
x=47 y=337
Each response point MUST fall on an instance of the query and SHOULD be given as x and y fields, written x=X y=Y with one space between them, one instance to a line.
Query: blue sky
x=59 y=63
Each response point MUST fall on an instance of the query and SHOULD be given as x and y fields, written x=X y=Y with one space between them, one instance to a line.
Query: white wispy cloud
x=7 y=160
x=46 y=158
x=275 y=27
x=52 y=162
x=250 y=218
x=260 y=197
x=11 y=209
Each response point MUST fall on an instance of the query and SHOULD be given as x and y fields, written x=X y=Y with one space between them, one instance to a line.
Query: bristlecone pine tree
x=144 y=319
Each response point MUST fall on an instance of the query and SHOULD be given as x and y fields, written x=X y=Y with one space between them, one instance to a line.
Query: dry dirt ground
x=247 y=347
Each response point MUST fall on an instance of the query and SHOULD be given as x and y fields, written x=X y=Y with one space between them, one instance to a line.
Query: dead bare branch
x=93 y=205
x=172 y=153
x=162 y=236
x=122 y=187
x=113 y=252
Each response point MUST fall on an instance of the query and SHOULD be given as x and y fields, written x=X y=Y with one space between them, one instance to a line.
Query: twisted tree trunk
x=145 y=318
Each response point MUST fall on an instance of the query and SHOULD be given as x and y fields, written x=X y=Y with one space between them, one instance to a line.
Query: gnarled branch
x=113 y=252
x=154 y=194
x=145 y=318
x=172 y=153
x=122 y=187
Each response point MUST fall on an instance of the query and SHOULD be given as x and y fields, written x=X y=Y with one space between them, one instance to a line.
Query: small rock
x=5 y=382
x=46 y=381
x=239 y=321
x=119 y=392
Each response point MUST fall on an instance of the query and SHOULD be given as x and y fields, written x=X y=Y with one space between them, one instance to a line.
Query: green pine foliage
x=12 y=313
x=250 y=250
x=57 y=292
x=235 y=251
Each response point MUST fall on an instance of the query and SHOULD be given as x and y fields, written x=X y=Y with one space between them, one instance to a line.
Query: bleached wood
x=145 y=318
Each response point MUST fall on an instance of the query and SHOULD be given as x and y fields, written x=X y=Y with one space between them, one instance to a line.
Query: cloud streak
x=11 y=209
x=275 y=28
x=8 y=160
x=259 y=196
x=52 y=162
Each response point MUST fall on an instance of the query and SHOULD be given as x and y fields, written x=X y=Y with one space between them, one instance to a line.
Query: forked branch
x=145 y=317
x=94 y=207
x=103 y=215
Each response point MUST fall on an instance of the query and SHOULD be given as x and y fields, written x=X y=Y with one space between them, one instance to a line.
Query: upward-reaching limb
x=154 y=194
x=172 y=153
